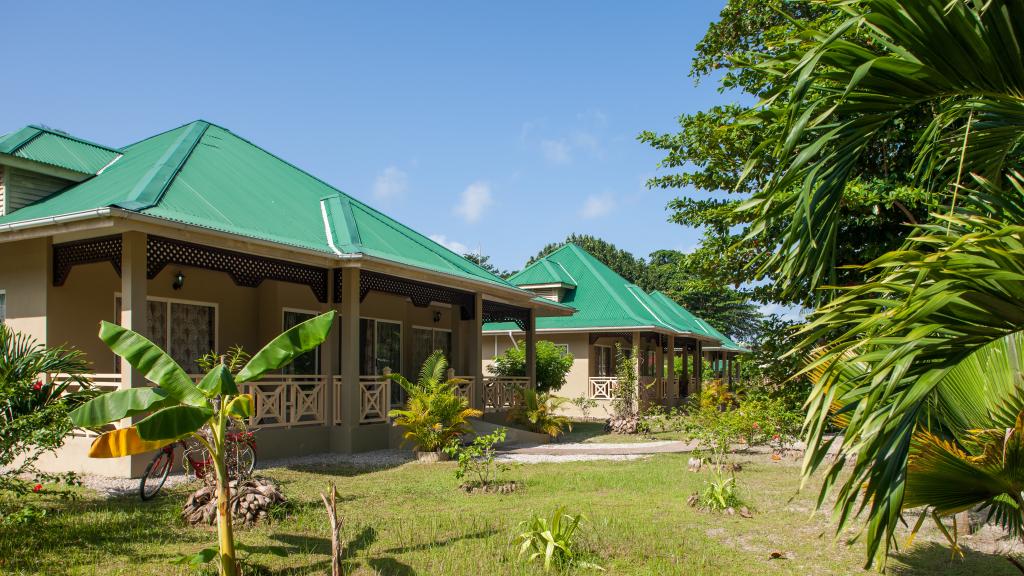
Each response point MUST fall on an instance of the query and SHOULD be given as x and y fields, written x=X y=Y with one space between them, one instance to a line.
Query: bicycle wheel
x=246 y=461
x=155 y=475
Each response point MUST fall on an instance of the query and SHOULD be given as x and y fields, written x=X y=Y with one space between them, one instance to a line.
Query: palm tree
x=434 y=414
x=932 y=308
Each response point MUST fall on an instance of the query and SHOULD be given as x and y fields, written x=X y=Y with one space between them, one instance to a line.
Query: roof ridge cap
x=150 y=189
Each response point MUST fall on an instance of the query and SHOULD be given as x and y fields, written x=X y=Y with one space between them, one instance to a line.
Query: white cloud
x=475 y=199
x=390 y=184
x=786 y=312
x=454 y=246
x=596 y=206
x=556 y=151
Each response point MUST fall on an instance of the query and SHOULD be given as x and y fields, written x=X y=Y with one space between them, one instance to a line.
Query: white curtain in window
x=192 y=334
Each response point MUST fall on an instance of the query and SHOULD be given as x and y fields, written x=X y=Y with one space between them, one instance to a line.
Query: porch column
x=476 y=361
x=672 y=369
x=684 y=390
x=351 y=398
x=329 y=358
x=659 y=361
x=698 y=366
x=133 y=297
x=637 y=350
x=457 y=362
x=531 y=349
x=728 y=368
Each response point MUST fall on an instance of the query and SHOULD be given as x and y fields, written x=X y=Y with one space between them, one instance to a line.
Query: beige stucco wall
x=24 y=274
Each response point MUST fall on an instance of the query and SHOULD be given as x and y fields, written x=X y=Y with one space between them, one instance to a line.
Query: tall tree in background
x=723 y=155
x=484 y=261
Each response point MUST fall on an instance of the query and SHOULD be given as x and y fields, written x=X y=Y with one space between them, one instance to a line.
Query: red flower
x=37 y=487
x=38 y=385
x=756 y=427
x=775 y=437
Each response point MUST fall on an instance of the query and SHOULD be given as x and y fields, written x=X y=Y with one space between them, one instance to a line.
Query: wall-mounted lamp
x=437 y=316
x=179 y=281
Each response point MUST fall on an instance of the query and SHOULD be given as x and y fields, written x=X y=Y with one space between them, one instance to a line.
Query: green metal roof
x=57 y=149
x=602 y=298
x=204 y=175
x=543 y=271
x=677 y=310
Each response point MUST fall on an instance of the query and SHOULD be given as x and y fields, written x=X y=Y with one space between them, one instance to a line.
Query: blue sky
x=491 y=126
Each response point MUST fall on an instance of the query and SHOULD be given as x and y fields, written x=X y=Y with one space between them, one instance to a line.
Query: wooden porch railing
x=602 y=387
x=374 y=399
x=503 y=393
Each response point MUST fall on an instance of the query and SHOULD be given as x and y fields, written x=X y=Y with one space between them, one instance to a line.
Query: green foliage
x=584 y=405
x=235 y=358
x=769 y=371
x=552 y=541
x=732 y=148
x=476 y=460
x=720 y=493
x=434 y=414
x=624 y=397
x=34 y=412
x=538 y=412
x=717 y=420
x=934 y=70
x=181 y=409
x=553 y=364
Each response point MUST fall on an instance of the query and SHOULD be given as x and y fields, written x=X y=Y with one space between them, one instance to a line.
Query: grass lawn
x=411 y=519
x=593 y=433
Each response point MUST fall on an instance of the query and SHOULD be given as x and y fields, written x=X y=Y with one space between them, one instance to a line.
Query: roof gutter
x=61 y=219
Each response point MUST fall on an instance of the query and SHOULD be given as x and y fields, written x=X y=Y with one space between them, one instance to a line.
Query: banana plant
x=176 y=408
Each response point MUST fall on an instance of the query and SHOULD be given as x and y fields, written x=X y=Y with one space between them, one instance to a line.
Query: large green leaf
x=282 y=350
x=113 y=406
x=153 y=362
x=174 y=422
x=240 y=406
x=217 y=382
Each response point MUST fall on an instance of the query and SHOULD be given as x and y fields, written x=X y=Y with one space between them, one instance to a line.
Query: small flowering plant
x=34 y=410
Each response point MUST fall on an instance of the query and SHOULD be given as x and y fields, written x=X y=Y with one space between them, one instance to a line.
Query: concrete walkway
x=604 y=449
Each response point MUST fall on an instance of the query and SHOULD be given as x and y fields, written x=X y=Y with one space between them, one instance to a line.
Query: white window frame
x=168 y=302
x=597 y=359
x=401 y=339
x=314 y=313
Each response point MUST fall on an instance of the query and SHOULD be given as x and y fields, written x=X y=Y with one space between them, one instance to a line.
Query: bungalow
x=609 y=311
x=201 y=240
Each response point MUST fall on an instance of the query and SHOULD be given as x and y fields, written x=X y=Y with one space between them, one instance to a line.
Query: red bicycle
x=241 y=462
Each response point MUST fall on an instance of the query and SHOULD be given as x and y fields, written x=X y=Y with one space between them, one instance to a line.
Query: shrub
x=553 y=541
x=584 y=405
x=34 y=413
x=720 y=493
x=538 y=413
x=553 y=364
x=434 y=414
x=477 y=459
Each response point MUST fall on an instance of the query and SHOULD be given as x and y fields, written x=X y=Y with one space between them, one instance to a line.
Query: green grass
x=412 y=520
x=593 y=433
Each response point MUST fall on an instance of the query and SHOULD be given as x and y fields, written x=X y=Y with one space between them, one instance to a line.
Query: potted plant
x=434 y=414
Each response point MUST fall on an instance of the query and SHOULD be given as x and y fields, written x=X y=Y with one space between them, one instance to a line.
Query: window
x=186 y=330
x=424 y=342
x=648 y=362
x=564 y=348
x=380 y=346
x=308 y=363
x=3 y=306
x=605 y=360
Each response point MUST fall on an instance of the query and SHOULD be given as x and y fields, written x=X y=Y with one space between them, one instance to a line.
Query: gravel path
x=528 y=458
x=602 y=449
